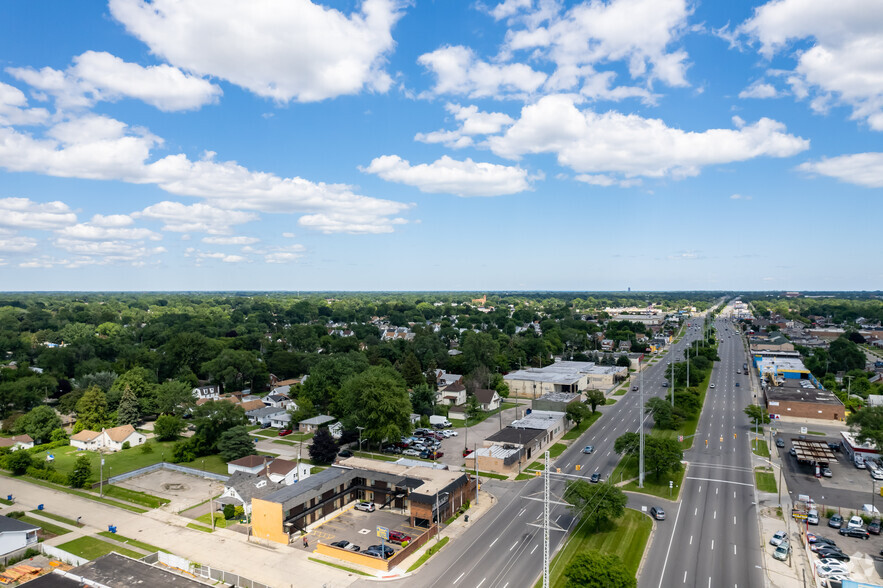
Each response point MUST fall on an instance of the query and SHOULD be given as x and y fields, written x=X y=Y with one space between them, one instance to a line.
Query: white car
x=365 y=506
x=778 y=538
x=453 y=433
x=855 y=522
x=412 y=452
x=828 y=570
x=711 y=386
x=876 y=473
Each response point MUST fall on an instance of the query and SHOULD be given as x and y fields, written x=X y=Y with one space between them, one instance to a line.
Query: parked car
x=398 y=537
x=855 y=522
x=827 y=472
x=792 y=452
x=284 y=432
x=466 y=452
x=782 y=551
x=834 y=446
x=589 y=449
x=832 y=553
x=827 y=571
x=345 y=453
x=822 y=543
x=386 y=550
x=876 y=473
x=365 y=506
x=780 y=442
x=657 y=513
x=412 y=452
x=874 y=528
x=836 y=521
x=453 y=433
x=778 y=537
x=857 y=532
x=711 y=386
x=432 y=454
x=596 y=477
x=812 y=517
x=346 y=545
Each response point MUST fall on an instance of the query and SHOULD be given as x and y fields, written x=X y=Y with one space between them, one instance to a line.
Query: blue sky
x=386 y=145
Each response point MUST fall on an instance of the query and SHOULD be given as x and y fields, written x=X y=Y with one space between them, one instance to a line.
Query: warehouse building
x=802 y=399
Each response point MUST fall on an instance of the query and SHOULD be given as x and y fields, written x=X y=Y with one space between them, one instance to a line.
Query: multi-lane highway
x=712 y=536
x=502 y=550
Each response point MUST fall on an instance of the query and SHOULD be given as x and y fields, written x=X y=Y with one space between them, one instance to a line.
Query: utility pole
x=546 y=525
x=641 y=430
x=360 y=438
x=101 y=478
x=672 y=384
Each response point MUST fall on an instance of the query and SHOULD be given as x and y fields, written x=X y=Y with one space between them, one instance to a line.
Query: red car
x=398 y=537
x=466 y=452
x=285 y=432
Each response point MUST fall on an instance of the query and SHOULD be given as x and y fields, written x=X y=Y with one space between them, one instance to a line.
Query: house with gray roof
x=263 y=415
x=314 y=424
x=241 y=487
x=15 y=534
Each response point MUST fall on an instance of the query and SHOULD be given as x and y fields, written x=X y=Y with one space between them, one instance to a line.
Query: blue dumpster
x=39 y=507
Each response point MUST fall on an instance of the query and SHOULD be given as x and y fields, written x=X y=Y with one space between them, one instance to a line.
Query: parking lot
x=360 y=527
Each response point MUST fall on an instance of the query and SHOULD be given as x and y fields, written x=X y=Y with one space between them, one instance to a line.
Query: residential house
x=280 y=420
x=336 y=430
x=263 y=415
x=453 y=395
x=17 y=442
x=109 y=439
x=241 y=487
x=443 y=378
x=314 y=424
x=250 y=464
x=86 y=440
x=488 y=399
x=282 y=471
x=16 y=534
x=279 y=400
x=625 y=345
x=208 y=392
x=607 y=344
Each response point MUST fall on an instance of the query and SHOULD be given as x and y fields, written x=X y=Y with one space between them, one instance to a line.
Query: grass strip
x=652 y=486
x=380 y=457
x=339 y=567
x=626 y=538
x=220 y=521
x=133 y=542
x=56 y=517
x=620 y=392
x=492 y=475
x=765 y=481
x=576 y=432
x=134 y=496
x=284 y=442
x=6 y=502
x=759 y=447
x=199 y=528
x=48 y=527
x=92 y=548
x=556 y=450
x=428 y=553
x=483 y=416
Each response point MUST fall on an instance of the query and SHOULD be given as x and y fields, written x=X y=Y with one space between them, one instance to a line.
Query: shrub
x=229 y=511
x=48 y=474
x=238 y=512
x=127 y=445
x=16 y=514
x=18 y=462
x=147 y=448
x=830 y=513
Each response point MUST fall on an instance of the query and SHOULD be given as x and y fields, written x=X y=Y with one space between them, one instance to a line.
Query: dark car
x=832 y=553
x=398 y=537
x=822 y=543
x=858 y=533
x=345 y=453
x=874 y=528
x=596 y=477
x=345 y=545
x=780 y=442
x=834 y=446
x=431 y=454
x=737 y=384
x=378 y=549
x=836 y=521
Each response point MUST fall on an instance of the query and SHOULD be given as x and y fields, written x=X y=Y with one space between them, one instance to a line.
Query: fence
x=68 y=558
x=163 y=466
x=185 y=565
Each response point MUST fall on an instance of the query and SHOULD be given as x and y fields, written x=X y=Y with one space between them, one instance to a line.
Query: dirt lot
x=361 y=527
x=183 y=490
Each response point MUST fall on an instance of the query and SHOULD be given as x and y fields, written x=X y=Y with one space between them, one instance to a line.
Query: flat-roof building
x=562 y=376
x=800 y=398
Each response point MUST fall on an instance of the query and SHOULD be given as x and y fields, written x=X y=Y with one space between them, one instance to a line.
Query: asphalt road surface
x=502 y=550
x=712 y=539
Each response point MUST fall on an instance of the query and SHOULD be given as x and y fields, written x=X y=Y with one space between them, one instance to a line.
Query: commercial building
x=852 y=447
x=499 y=459
x=286 y=512
x=563 y=376
x=781 y=368
x=802 y=399
x=556 y=401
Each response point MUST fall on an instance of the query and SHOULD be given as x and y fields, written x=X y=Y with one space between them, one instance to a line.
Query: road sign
x=383 y=532
x=671 y=483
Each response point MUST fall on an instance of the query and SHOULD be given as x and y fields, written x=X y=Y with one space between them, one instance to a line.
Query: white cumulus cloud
x=759 y=90
x=280 y=49
x=472 y=122
x=24 y=213
x=198 y=218
x=238 y=240
x=459 y=71
x=450 y=176
x=863 y=169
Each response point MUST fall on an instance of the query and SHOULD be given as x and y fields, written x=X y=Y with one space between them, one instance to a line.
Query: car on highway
x=365 y=506
x=829 y=553
x=346 y=545
x=634 y=388
x=782 y=551
x=596 y=477
x=711 y=386
x=737 y=384
x=836 y=521
x=780 y=442
x=855 y=522
x=657 y=513
x=874 y=528
x=857 y=532
x=589 y=449
x=778 y=537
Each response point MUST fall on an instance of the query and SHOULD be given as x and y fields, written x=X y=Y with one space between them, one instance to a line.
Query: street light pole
x=360 y=438
x=641 y=429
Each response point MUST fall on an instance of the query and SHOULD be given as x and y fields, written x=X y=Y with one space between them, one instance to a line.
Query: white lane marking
x=691 y=540
x=712 y=544
x=556 y=520
x=695 y=511
x=721 y=481
x=716 y=490
x=514 y=545
x=734 y=519
x=734 y=549
x=715 y=515
x=608 y=454
x=524 y=509
x=534 y=549
x=685 y=576
x=483 y=579
x=734 y=494
x=700 y=488
x=670 y=541
x=458 y=577
x=494 y=541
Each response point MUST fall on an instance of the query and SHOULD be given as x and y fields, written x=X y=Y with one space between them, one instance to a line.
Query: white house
x=86 y=440
x=488 y=399
x=241 y=487
x=314 y=424
x=109 y=439
x=263 y=415
x=279 y=401
x=250 y=464
x=281 y=420
x=282 y=471
x=443 y=378
x=453 y=395
x=210 y=392
x=17 y=442
x=336 y=430
x=15 y=534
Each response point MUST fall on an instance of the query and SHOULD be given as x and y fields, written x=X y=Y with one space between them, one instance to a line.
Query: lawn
x=285 y=442
x=556 y=450
x=80 y=493
x=429 y=553
x=483 y=416
x=265 y=432
x=576 y=432
x=220 y=521
x=492 y=475
x=625 y=538
x=133 y=542
x=759 y=447
x=199 y=528
x=621 y=392
x=765 y=480
x=92 y=548
x=134 y=496
x=628 y=468
x=48 y=527
x=58 y=518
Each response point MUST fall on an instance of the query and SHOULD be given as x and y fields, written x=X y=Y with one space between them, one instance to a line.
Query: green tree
x=18 y=462
x=377 y=399
x=411 y=371
x=174 y=397
x=128 y=412
x=167 y=427
x=757 y=414
x=211 y=419
x=302 y=411
x=595 y=398
x=627 y=443
x=662 y=455
x=92 y=411
x=664 y=416
x=323 y=449
x=593 y=569
x=81 y=473
x=869 y=424
x=237 y=369
x=235 y=443
x=229 y=511
x=576 y=412
x=139 y=382
x=599 y=503
x=473 y=407
x=327 y=377
x=423 y=399
x=39 y=423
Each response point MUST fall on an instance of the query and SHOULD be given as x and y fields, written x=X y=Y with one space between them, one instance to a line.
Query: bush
x=830 y=513
x=127 y=445
x=50 y=475
x=47 y=446
x=147 y=448
x=229 y=511
x=16 y=514
x=183 y=451
x=18 y=462
x=238 y=512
